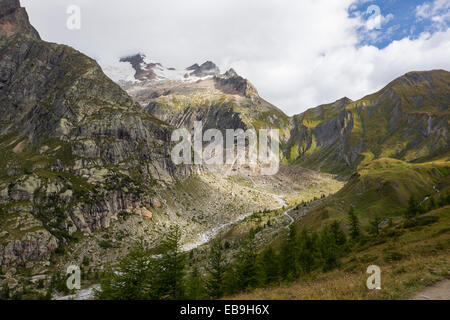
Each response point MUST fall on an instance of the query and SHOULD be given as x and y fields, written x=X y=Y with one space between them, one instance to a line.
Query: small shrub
x=400 y=270
x=104 y=244
x=124 y=215
x=368 y=258
x=420 y=221
x=393 y=255
x=85 y=261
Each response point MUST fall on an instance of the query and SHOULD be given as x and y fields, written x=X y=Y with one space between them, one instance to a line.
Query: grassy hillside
x=383 y=188
x=409 y=258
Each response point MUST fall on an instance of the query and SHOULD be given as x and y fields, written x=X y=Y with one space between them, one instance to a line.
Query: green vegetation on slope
x=383 y=187
x=406 y=120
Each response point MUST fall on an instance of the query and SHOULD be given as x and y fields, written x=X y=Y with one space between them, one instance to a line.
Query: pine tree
x=247 y=267
x=194 y=287
x=5 y=292
x=134 y=278
x=441 y=200
x=354 y=224
x=171 y=266
x=216 y=269
x=413 y=208
x=268 y=262
x=338 y=234
x=231 y=283
x=289 y=255
x=307 y=252
x=390 y=223
x=48 y=294
x=375 y=225
x=329 y=249
x=432 y=204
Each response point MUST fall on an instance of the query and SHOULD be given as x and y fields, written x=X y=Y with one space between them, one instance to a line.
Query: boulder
x=156 y=203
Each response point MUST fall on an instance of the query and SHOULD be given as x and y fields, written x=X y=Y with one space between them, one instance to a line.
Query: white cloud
x=429 y=9
x=438 y=11
x=378 y=21
x=423 y=11
x=297 y=53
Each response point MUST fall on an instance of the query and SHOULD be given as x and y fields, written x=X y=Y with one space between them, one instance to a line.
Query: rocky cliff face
x=76 y=150
x=407 y=120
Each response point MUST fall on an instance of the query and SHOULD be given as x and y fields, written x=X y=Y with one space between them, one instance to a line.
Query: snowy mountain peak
x=138 y=68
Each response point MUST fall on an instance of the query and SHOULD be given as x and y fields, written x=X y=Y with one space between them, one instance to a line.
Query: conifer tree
x=231 y=283
x=329 y=249
x=375 y=225
x=432 y=204
x=134 y=278
x=171 y=266
x=307 y=258
x=268 y=261
x=247 y=267
x=354 y=224
x=5 y=292
x=289 y=255
x=338 y=234
x=194 y=286
x=216 y=270
x=413 y=208
x=444 y=200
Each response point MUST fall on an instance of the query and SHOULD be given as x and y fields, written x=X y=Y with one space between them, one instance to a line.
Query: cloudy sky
x=299 y=54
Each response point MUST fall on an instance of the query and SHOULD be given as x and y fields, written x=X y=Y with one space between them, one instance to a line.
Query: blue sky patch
x=390 y=20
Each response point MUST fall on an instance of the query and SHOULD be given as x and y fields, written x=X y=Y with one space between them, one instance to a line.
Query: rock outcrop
x=14 y=19
x=232 y=83
x=206 y=69
x=144 y=71
x=34 y=246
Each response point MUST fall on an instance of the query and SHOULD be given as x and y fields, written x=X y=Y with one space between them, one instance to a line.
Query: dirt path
x=438 y=291
x=291 y=220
